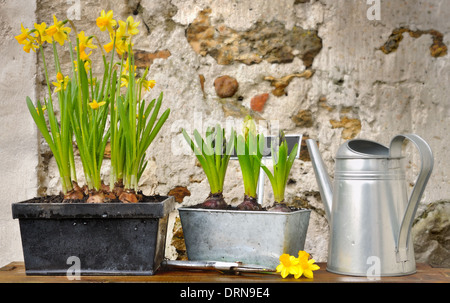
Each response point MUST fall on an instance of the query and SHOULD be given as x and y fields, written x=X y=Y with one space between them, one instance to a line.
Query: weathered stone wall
x=18 y=139
x=326 y=69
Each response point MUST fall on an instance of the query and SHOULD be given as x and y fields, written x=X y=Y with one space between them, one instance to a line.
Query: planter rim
x=27 y=210
x=263 y=212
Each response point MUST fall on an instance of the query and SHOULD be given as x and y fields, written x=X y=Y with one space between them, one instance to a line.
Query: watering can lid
x=362 y=149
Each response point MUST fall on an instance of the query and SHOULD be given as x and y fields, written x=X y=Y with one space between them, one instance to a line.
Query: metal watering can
x=368 y=208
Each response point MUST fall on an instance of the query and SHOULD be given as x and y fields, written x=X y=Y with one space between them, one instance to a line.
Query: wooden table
x=214 y=286
x=15 y=273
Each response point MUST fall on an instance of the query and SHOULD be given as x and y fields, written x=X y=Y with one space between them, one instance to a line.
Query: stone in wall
x=269 y=41
x=351 y=127
x=201 y=78
x=304 y=153
x=179 y=192
x=144 y=59
x=233 y=108
x=303 y=118
x=431 y=235
x=226 y=86
x=304 y=202
x=280 y=84
x=437 y=48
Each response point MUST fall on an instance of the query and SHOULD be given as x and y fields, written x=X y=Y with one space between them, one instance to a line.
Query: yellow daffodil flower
x=85 y=41
x=41 y=34
x=306 y=265
x=121 y=43
x=108 y=47
x=122 y=36
x=148 y=84
x=57 y=31
x=43 y=109
x=126 y=67
x=288 y=265
x=87 y=64
x=30 y=45
x=62 y=82
x=26 y=39
x=94 y=105
x=124 y=80
x=132 y=26
x=24 y=35
x=59 y=77
x=84 y=56
x=106 y=21
x=123 y=39
x=302 y=265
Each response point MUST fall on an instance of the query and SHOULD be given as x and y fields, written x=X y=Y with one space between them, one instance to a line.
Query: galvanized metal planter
x=107 y=238
x=251 y=237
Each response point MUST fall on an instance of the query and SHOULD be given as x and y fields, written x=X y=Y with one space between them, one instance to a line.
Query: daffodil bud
x=249 y=126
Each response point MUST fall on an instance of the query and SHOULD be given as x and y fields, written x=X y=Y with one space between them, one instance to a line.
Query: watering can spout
x=322 y=177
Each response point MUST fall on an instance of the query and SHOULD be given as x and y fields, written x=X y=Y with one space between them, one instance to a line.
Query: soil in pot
x=276 y=207
x=105 y=195
x=85 y=199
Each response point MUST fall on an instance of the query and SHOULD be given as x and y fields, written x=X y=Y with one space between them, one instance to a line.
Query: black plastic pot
x=107 y=238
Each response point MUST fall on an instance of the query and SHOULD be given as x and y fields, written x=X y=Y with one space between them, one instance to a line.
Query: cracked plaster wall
x=18 y=138
x=319 y=68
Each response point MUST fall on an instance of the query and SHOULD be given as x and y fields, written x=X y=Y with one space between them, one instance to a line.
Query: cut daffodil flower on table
x=303 y=265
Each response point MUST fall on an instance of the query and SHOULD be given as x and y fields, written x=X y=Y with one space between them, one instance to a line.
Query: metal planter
x=107 y=238
x=250 y=237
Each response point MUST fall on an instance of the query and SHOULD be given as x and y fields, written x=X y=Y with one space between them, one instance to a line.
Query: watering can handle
x=426 y=159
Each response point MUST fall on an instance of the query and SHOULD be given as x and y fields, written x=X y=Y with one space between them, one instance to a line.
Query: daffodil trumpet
x=282 y=164
x=213 y=152
x=249 y=147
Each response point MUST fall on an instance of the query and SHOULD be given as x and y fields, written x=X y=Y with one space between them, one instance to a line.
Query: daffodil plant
x=89 y=115
x=282 y=164
x=134 y=124
x=59 y=137
x=249 y=148
x=213 y=152
x=86 y=105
